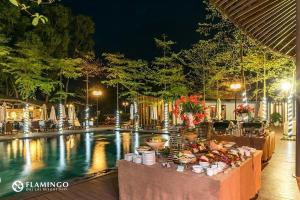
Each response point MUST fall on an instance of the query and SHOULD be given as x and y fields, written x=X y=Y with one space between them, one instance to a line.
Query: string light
x=264 y=108
x=117 y=127
x=136 y=116
x=245 y=103
x=60 y=119
x=136 y=142
x=290 y=115
x=26 y=119
x=166 y=118
x=87 y=116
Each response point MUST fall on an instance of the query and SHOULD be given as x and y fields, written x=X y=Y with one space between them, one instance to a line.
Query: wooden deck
x=102 y=188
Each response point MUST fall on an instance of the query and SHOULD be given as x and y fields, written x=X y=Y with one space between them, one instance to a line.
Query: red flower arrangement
x=243 y=109
x=190 y=109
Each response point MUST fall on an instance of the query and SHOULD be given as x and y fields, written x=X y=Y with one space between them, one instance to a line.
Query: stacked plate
x=148 y=157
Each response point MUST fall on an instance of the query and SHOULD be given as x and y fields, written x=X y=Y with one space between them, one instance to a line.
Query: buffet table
x=137 y=181
x=266 y=144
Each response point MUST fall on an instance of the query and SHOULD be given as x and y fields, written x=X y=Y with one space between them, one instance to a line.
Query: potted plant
x=244 y=111
x=276 y=118
x=191 y=110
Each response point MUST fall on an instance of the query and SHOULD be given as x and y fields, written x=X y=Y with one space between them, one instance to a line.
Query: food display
x=185 y=157
x=156 y=142
x=143 y=148
x=213 y=157
x=210 y=157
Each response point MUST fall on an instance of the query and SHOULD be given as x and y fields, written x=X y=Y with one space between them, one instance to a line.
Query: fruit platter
x=156 y=142
x=142 y=149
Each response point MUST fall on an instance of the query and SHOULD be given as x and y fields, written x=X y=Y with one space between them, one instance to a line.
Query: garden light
x=286 y=86
x=290 y=115
x=117 y=127
x=166 y=118
x=136 y=116
x=235 y=86
x=87 y=116
x=60 y=119
x=26 y=119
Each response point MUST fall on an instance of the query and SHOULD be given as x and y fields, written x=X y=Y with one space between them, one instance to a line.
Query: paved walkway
x=278 y=182
x=51 y=134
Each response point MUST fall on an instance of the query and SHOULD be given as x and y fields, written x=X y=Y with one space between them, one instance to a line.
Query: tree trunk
x=67 y=90
x=46 y=99
x=256 y=97
x=15 y=89
x=87 y=89
x=6 y=86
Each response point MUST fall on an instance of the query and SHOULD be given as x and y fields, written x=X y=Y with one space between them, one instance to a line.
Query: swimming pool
x=62 y=157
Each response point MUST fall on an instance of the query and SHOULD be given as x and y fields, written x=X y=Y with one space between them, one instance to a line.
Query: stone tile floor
x=278 y=182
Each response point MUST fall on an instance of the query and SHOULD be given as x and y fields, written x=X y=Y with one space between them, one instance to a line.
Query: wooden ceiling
x=269 y=22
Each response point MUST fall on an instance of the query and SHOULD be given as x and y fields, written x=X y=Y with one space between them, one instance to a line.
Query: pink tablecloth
x=140 y=182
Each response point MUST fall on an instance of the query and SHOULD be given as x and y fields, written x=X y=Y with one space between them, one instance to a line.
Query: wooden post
x=298 y=90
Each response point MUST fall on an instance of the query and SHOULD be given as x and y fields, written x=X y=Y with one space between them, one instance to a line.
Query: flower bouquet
x=244 y=111
x=191 y=110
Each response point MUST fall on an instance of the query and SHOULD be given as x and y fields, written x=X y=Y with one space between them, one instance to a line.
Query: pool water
x=62 y=157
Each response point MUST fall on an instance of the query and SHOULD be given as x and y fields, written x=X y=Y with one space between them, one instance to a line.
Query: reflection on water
x=62 y=157
x=126 y=142
x=118 y=145
x=136 y=142
x=87 y=150
x=99 y=157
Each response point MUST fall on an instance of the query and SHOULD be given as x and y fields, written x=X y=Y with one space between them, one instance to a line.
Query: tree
x=265 y=71
x=129 y=75
x=126 y=73
x=27 y=66
x=167 y=73
x=198 y=60
x=36 y=17
x=64 y=68
x=90 y=67
x=167 y=76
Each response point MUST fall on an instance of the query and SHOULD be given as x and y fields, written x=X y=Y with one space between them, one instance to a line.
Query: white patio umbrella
x=71 y=114
x=155 y=112
x=44 y=114
x=260 y=113
x=151 y=112
x=219 y=109
x=3 y=113
x=131 y=111
x=53 y=115
x=63 y=111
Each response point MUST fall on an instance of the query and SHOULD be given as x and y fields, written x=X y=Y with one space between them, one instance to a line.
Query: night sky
x=129 y=26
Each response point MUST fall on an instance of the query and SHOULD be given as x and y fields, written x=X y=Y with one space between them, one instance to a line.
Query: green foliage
x=226 y=56
x=167 y=74
x=54 y=46
x=27 y=66
x=126 y=73
x=276 y=117
x=36 y=17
